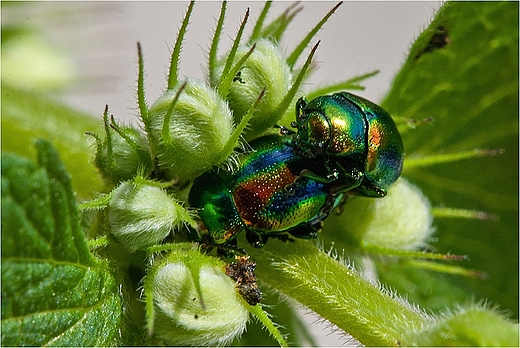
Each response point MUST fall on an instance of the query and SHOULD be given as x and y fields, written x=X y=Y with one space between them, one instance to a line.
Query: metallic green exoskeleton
x=357 y=139
x=343 y=145
x=268 y=194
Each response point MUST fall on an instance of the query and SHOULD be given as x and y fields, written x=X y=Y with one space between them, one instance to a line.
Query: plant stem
x=374 y=315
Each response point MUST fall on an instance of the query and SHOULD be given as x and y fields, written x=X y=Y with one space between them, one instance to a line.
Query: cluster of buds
x=194 y=126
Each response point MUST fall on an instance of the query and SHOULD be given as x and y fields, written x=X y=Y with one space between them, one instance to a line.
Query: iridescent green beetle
x=343 y=145
x=276 y=189
x=357 y=139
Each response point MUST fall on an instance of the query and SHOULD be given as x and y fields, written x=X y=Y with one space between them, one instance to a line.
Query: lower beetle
x=266 y=196
x=342 y=145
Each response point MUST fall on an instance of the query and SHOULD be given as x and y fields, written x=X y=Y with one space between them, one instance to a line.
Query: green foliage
x=373 y=315
x=336 y=292
x=27 y=116
x=462 y=72
x=54 y=291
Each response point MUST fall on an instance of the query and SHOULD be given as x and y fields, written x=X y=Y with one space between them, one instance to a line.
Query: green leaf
x=463 y=72
x=54 y=291
x=27 y=116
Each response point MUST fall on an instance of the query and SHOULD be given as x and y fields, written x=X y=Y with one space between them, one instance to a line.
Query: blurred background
x=96 y=43
x=84 y=53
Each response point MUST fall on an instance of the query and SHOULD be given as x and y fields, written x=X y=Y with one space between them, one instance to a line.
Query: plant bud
x=211 y=313
x=264 y=68
x=141 y=214
x=122 y=154
x=199 y=127
x=401 y=220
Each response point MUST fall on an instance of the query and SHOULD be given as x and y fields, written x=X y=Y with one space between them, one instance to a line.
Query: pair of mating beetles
x=342 y=145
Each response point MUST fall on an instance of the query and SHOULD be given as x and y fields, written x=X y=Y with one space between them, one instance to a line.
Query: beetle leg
x=300 y=105
x=206 y=243
x=369 y=190
x=307 y=231
x=323 y=179
x=282 y=236
x=229 y=249
x=363 y=186
x=347 y=179
x=344 y=200
x=329 y=204
x=284 y=130
x=256 y=240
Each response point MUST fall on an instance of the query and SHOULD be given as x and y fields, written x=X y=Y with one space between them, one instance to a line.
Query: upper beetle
x=358 y=141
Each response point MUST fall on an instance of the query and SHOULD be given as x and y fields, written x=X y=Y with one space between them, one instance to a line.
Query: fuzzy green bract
x=141 y=214
x=123 y=153
x=402 y=220
x=54 y=291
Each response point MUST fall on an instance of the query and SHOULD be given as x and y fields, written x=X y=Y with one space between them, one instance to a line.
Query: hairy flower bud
x=141 y=214
x=122 y=153
x=401 y=220
x=195 y=302
x=264 y=68
x=196 y=133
